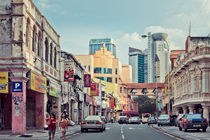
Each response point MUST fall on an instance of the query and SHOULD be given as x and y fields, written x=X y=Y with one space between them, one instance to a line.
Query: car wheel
x=180 y=129
x=158 y=124
x=204 y=129
x=185 y=130
x=104 y=128
x=198 y=129
x=82 y=130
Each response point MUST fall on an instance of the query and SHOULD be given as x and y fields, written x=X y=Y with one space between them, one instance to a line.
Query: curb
x=167 y=133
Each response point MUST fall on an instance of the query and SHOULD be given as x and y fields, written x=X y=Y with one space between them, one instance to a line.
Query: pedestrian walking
x=51 y=122
x=63 y=124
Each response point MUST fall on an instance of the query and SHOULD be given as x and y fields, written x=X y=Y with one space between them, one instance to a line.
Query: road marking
x=123 y=137
x=131 y=128
x=165 y=133
x=108 y=128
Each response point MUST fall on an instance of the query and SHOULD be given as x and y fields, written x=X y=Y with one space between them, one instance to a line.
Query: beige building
x=192 y=78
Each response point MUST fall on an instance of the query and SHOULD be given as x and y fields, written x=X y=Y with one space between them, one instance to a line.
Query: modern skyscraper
x=158 y=45
x=137 y=61
x=97 y=44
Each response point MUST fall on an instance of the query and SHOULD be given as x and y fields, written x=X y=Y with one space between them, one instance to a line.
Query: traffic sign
x=17 y=87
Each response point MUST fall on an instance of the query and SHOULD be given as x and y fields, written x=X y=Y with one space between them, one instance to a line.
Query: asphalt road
x=123 y=132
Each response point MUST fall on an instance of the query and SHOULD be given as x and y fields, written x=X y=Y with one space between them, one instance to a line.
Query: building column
x=191 y=108
x=19 y=107
x=185 y=109
x=205 y=111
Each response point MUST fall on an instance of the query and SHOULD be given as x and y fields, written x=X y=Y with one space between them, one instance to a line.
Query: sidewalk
x=38 y=134
x=190 y=135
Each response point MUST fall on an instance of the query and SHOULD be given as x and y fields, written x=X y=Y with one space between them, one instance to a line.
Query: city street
x=123 y=132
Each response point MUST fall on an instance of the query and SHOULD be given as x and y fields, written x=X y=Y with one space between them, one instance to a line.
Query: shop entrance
x=30 y=112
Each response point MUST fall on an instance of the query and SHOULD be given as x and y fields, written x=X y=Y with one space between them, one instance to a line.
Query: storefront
x=5 y=102
x=35 y=96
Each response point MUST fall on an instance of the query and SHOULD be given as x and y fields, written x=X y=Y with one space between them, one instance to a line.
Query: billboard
x=112 y=103
x=4 y=82
x=38 y=83
x=87 y=80
x=68 y=73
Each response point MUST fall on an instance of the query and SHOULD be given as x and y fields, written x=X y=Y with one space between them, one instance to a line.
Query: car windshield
x=193 y=116
x=164 y=117
x=92 y=118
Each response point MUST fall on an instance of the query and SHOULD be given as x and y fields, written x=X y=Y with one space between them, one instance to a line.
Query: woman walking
x=63 y=123
x=51 y=121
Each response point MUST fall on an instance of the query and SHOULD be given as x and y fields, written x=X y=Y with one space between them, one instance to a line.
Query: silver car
x=164 y=120
x=93 y=122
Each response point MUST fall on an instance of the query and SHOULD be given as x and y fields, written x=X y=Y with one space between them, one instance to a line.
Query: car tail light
x=205 y=121
x=98 y=123
x=82 y=122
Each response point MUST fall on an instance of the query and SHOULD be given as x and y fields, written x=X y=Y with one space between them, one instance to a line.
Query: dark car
x=151 y=120
x=164 y=120
x=193 y=121
x=123 y=120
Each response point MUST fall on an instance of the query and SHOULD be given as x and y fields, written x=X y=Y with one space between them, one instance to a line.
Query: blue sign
x=17 y=86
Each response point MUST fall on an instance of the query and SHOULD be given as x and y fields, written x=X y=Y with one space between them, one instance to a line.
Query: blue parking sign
x=17 y=86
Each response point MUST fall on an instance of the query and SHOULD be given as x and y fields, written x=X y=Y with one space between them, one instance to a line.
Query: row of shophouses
x=37 y=78
x=189 y=79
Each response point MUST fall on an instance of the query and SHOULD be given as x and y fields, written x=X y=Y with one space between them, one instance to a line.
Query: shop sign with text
x=38 y=83
x=4 y=82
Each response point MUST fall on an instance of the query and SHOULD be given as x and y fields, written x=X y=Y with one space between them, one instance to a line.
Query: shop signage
x=87 y=80
x=112 y=103
x=68 y=73
x=4 y=82
x=38 y=82
x=17 y=86
x=94 y=89
x=52 y=91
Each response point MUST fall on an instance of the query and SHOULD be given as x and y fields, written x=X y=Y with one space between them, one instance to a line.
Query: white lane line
x=108 y=128
x=123 y=137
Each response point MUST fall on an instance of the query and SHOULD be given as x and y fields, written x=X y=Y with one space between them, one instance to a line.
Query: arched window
x=51 y=53
x=39 y=44
x=34 y=39
x=197 y=50
x=28 y=33
x=46 y=49
x=55 y=57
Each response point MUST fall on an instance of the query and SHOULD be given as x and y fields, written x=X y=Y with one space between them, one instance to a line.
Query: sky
x=78 y=21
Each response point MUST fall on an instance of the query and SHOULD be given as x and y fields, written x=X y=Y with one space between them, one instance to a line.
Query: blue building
x=137 y=60
x=96 y=44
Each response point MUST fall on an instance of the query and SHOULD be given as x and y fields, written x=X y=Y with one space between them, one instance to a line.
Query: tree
x=146 y=104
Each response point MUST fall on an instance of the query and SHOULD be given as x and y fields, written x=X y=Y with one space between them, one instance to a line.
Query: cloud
x=45 y=4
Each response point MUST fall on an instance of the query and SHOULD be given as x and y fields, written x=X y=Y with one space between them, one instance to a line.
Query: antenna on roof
x=190 y=29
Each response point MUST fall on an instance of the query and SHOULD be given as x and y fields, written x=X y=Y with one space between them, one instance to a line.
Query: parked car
x=151 y=120
x=134 y=120
x=193 y=121
x=178 y=119
x=93 y=122
x=164 y=120
x=123 y=120
x=104 y=119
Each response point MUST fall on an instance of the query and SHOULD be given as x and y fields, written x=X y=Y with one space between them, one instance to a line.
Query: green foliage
x=146 y=104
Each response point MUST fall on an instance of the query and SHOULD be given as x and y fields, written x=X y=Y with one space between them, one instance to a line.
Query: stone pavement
x=190 y=135
x=38 y=134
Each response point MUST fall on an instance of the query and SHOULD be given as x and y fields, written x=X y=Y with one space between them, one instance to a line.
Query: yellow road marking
x=166 y=133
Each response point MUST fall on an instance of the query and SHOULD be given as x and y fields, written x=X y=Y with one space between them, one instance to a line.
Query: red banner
x=87 y=80
x=94 y=89
x=97 y=89
x=68 y=74
x=112 y=103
